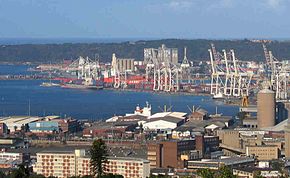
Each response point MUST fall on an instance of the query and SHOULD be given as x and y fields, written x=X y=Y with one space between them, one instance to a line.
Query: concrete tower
x=287 y=139
x=266 y=105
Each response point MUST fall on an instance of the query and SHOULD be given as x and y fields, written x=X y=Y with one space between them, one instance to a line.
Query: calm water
x=15 y=97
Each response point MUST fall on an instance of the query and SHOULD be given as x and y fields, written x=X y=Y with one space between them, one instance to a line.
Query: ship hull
x=75 y=86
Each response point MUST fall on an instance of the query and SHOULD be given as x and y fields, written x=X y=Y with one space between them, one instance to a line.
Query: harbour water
x=21 y=97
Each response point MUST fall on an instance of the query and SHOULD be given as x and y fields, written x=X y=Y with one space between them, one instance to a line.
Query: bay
x=17 y=95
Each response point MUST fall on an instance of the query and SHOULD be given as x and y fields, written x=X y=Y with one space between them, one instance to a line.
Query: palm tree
x=99 y=155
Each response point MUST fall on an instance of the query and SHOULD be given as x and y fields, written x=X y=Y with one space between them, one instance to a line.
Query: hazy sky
x=145 y=18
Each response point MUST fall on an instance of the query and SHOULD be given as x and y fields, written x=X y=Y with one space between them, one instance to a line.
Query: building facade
x=68 y=164
x=43 y=127
x=170 y=153
x=263 y=152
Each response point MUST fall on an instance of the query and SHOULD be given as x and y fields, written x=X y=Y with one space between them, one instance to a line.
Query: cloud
x=275 y=4
x=220 y=4
x=226 y=3
x=180 y=4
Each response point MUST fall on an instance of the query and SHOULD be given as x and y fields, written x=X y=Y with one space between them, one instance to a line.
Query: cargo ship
x=77 y=86
x=88 y=83
x=49 y=84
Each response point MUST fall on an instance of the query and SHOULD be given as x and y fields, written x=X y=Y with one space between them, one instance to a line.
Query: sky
x=190 y=19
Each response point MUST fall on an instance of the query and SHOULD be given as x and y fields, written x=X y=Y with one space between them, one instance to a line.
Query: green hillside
x=197 y=50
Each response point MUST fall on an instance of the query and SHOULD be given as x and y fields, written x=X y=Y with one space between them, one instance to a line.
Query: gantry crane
x=228 y=78
x=277 y=73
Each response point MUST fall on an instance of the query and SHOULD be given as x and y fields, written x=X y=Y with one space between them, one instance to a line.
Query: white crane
x=161 y=70
x=278 y=74
x=228 y=78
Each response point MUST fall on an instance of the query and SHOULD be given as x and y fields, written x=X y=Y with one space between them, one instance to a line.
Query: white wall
x=159 y=124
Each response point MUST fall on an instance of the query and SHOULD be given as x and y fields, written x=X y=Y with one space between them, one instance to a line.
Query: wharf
x=23 y=77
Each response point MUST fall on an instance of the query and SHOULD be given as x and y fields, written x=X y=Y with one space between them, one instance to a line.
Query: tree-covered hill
x=196 y=50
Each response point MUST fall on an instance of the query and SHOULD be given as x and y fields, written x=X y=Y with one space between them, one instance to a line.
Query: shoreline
x=158 y=92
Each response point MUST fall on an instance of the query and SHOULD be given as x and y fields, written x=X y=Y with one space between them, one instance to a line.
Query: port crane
x=85 y=68
x=228 y=78
x=160 y=70
x=185 y=67
x=277 y=73
x=120 y=77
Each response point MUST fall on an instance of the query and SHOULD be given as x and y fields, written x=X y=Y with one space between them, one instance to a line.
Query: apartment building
x=58 y=164
x=67 y=164
x=129 y=167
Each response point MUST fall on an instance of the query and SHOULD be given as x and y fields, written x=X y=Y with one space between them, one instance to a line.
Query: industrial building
x=266 y=105
x=44 y=127
x=16 y=123
x=122 y=65
x=264 y=145
x=162 y=53
x=163 y=123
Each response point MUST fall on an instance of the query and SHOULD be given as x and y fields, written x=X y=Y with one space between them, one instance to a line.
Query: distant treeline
x=196 y=50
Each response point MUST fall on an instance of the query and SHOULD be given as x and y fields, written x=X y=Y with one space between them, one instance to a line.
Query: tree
x=99 y=155
x=226 y=172
x=36 y=176
x=205 y=173
x=279 y=166
x=2 y=175
x=22 y=172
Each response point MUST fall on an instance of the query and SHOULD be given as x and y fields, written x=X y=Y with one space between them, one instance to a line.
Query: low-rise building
x=6 y=164
x=68 y=125
x=250 y=172
x=163 y=123
x=11 y=159
x=110 y=129
x=22 y=157
x=215 y=164
x=198 y=115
